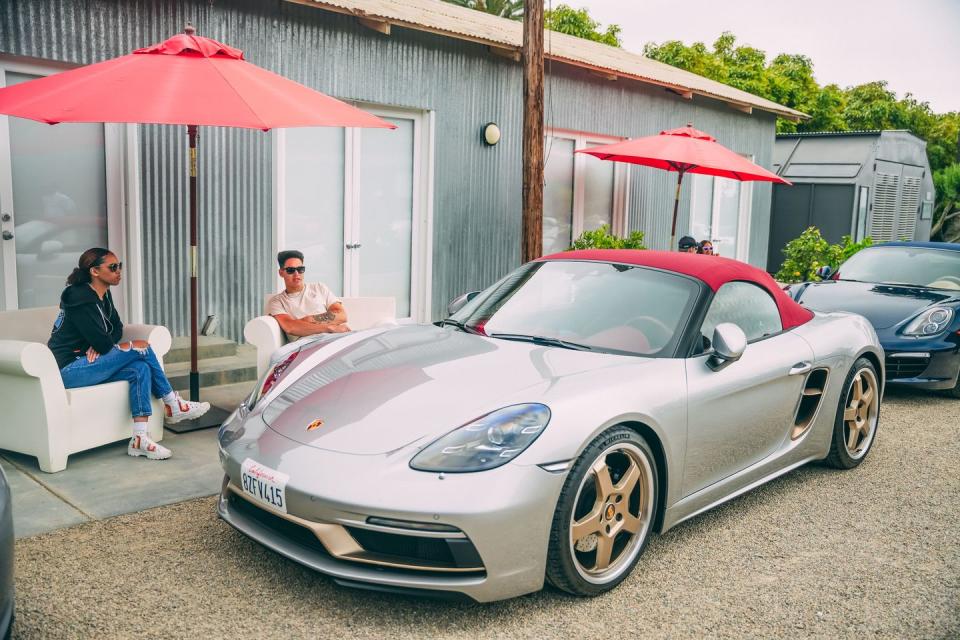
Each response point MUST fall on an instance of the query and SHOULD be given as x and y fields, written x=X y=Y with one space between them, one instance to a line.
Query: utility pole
x=532 y=148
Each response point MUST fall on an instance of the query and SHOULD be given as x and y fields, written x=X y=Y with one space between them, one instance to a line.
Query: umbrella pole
x=676 y=204
x=194 y=373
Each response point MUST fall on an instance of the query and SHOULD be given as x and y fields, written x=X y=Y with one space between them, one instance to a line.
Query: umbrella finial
x=189 y=29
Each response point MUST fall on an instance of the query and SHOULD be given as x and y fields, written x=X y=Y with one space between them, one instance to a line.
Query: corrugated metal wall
x=477 y=188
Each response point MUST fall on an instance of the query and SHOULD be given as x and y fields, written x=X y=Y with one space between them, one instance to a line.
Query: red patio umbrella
x=684 y=150
x=186 y=80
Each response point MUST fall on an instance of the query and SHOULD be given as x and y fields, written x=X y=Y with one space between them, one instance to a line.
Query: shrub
x=602 y=239
x=807 y=253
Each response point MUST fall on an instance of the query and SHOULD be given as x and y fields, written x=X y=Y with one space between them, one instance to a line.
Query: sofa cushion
x=30 y=325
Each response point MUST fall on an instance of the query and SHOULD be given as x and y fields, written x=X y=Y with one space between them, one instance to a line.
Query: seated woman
x=86 y=343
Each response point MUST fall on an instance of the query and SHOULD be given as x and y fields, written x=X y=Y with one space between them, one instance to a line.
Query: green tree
x=788 y=80
x=577 y=22
x=946 y=220
x=512 y=9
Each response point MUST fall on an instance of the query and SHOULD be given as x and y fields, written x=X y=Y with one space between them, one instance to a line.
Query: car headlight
x=486 y=443
x=930 y=322
x=273 y=375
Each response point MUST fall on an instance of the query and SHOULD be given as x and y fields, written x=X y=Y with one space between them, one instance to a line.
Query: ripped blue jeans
x=139 y=367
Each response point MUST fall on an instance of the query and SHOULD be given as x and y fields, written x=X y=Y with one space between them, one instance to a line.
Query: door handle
x=8 y=235
x=800 y=368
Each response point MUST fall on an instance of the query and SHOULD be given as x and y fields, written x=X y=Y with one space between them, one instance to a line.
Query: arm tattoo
x=326 y=316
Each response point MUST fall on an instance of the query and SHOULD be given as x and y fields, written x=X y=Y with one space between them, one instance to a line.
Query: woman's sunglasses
x=292 y=270
x=114 y=266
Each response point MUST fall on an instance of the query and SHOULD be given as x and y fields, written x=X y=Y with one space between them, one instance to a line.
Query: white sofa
x=39 y=417
x=265 y=334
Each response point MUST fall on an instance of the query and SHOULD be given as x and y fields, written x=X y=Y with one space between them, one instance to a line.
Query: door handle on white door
x=7 y=235
x=800 y=368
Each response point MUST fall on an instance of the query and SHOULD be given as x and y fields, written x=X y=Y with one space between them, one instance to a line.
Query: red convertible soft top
x=715 y=271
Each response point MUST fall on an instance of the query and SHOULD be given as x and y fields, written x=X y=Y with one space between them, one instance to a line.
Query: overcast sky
x=912 y=44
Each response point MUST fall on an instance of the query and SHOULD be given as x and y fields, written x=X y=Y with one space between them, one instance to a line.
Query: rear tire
x=604 y=515
x=858 y=416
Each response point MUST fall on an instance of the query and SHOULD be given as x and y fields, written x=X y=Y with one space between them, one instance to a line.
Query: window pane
x=386 y=212
x=597 y=191
x=607 y=307
x=728 y=208
x=558 y=195
x=701 y=208
x=59 y=200
x=314 y=202
x=862 y=213
x=745 y=305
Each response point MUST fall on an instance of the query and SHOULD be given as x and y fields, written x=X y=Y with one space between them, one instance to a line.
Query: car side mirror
x=824 y=272
x=458 y=303
x=729 y=343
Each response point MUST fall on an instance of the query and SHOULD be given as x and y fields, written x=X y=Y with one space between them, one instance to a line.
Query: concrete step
x=207 y=347
x=241 y=367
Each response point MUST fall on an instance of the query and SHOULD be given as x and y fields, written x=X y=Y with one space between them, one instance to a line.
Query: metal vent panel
x=883 y=225
x=909 y=201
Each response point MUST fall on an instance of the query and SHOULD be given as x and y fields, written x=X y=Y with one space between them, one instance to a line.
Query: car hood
x=416 y=383
x=884 y=305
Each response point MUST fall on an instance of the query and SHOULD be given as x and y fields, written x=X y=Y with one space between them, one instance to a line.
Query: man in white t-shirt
x=303 y=309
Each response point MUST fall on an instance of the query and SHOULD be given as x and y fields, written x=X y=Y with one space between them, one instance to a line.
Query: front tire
x=605 y=514
x=858 y=416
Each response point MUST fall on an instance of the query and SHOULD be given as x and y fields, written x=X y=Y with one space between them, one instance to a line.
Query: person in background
x=85 y=341
x=687 y=245
x=304 y=309
x=706 y=248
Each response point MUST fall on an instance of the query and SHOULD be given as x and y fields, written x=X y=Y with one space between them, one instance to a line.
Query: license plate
x=264 y=485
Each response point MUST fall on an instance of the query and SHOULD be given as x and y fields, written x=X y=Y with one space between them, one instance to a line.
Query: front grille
x=900 y=367
x=284 y=528
x=420 y=555
x=401 y=547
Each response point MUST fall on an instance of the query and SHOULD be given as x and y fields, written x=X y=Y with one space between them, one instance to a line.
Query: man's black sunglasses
x=292 y=270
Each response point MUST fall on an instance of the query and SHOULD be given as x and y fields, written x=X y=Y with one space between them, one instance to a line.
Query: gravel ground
x=818 y=553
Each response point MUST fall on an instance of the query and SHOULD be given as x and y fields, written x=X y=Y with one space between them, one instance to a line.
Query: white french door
x=581 y=192
x=357 y=203
x=720 y=212
x=61 y=193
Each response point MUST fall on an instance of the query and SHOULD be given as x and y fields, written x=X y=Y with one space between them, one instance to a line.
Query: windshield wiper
x=542 y=341
x=459 y=325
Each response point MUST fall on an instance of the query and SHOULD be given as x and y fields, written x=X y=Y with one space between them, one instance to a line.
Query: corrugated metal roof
x=468 y=24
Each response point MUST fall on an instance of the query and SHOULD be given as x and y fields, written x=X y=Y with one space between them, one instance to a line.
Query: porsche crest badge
x=316 y=424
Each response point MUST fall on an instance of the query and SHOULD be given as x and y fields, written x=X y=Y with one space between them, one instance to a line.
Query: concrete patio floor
x=105 y=482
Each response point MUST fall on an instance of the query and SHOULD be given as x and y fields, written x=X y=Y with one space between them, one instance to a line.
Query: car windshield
x=913 y=266
x=590 y=306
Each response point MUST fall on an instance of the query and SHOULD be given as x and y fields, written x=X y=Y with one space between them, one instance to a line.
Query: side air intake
x=813 y=388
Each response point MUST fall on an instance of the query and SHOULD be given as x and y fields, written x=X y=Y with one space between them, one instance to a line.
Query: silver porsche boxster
x=548 y=427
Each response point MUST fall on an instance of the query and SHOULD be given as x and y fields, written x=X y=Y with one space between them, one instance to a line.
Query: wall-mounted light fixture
x=490 y=134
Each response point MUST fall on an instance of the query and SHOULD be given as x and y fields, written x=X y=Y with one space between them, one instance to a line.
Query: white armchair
x=265 y=334
x=40 y=417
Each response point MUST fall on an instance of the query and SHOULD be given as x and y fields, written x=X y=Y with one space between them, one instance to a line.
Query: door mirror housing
x=458 y=303
x=729 y=343
x=824 y=272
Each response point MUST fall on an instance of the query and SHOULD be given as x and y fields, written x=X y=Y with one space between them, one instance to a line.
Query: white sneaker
x=185 y=410
x=144 y=446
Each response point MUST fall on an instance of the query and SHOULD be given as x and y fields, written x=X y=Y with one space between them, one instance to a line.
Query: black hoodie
x=84 y=321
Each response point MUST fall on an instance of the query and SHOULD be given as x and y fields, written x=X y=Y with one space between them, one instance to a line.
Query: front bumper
x=497 y=522
x=923 y=368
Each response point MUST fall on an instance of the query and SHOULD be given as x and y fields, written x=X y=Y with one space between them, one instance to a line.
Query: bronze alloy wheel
x=860 y=413
x=858 y=416
x=605 y=514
